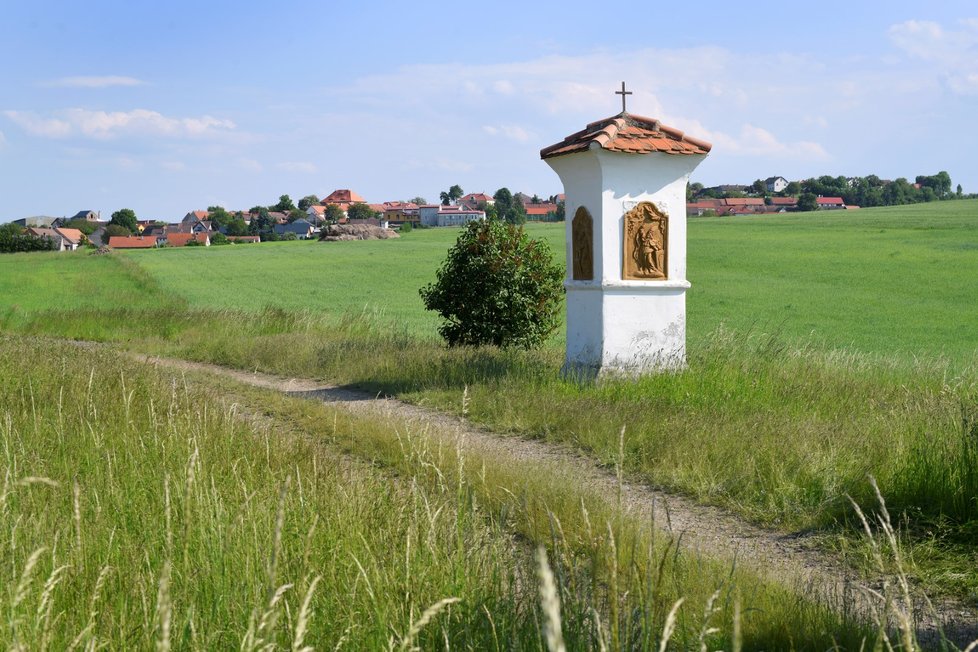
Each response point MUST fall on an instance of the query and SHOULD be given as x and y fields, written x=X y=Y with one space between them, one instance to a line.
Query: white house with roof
x=437 y=215
x=775 y=184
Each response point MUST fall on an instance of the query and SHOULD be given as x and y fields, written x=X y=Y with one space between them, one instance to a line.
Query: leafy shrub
x=497 y=286
x=14 y=239
x=219 y=239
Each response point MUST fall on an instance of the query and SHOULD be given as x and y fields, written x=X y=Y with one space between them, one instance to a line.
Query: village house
x=43 y=221
x=133 y=242
x=539 y=211
x=316 y=213
x=196 y=216
x=438 y=215
x=399 y=213
x=181 y=239
x=191 y=224
x=476 y=201
x=62 y=238
x=303 y=229
x=775 y=184
x=782 y=204
x=830 y=203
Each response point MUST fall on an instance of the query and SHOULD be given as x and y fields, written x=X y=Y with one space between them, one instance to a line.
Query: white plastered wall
x=616 y=326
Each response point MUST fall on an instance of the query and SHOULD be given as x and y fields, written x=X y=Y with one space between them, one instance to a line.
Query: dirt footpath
x=707 y=530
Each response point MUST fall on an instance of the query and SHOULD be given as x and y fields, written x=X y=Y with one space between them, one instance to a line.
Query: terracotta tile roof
x=477 y=197
x=784 y=201
x=131 y=242
x=830 y=200
x=631 y=134
x=72 y=235
x=181 y=239
x=42 y=232
x=400 y=206
x=540 y=209
x=744 y=201
x=342 y=196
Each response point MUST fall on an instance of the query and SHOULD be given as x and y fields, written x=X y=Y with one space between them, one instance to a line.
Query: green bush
x=497 y=286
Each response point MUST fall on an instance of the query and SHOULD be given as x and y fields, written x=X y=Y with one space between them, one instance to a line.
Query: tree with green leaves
x=307 y=201
x=115 y=230
x=455 y=193
x=218 y=216
x=419 y=200
x=15 y=239
x=85 y=226
x=284 y=204
x=807 y=201
x=126 y=218
x=361 y=211
x=497 y=286
x=237 y=226
x=509 y=208
x=333 y=214
x=452 y=195
x=261 y=222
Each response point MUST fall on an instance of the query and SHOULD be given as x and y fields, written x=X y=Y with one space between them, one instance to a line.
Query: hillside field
x=824 y=348
x=887 y=280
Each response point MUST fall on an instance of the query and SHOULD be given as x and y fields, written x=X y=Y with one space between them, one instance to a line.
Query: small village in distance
x=345 y=214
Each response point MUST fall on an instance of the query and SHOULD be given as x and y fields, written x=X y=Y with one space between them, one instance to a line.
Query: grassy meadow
x=823 y=348
x=885 y=280
x=145 y=510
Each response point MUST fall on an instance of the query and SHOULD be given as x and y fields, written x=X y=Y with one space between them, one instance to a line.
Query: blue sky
x=165 y=107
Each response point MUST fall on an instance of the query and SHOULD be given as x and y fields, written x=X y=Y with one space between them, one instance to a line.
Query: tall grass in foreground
x=781 y=433
x=141 y=512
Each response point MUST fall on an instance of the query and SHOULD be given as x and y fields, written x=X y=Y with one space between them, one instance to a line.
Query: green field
x=837 y=345
x=888 y=280
x=30 y=283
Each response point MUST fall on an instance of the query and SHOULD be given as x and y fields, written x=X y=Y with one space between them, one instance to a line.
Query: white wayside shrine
x=625 y=184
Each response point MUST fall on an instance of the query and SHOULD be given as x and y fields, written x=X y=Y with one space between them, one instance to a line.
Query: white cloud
x=756 y=141
x=3 y=139
x=503 y=87
x=105 y=124
x=173 y=166
x=513 y=132
x=104 y=81
x=249 y=164
x=953 y=52
x=298 y=166
x=38 y=126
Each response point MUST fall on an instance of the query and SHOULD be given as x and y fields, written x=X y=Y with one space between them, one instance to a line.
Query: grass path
x=791 y=559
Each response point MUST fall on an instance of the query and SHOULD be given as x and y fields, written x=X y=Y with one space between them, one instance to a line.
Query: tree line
x=866 y=191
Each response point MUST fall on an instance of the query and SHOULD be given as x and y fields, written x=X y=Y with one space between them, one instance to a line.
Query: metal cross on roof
x=623 y=93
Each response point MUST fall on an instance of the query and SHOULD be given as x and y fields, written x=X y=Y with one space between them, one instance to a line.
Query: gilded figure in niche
x=645 y=243
x=582 y=247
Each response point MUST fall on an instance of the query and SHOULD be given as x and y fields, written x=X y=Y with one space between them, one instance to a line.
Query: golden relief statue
x=645 y=243
x=582 y=245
